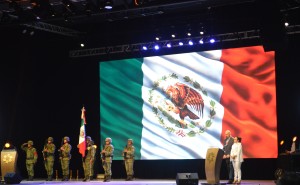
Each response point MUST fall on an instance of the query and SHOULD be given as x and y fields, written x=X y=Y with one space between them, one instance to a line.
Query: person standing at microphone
x=228 y=142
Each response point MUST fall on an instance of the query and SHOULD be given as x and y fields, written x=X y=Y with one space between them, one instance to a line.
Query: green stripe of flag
x=121 y=103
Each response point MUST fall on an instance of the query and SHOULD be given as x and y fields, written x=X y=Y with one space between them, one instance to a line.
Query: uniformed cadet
x=65 y=156
x=107 y=155
x=89 y=159
x=31 y=158
x=48 y=154
x=128 y=155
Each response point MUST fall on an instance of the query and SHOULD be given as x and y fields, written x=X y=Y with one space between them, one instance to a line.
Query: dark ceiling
x=133 y=21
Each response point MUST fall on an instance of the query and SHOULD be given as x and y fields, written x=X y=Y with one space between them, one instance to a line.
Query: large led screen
x=177 y=106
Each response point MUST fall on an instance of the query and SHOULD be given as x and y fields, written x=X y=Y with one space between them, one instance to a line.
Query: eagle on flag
x=184 y=97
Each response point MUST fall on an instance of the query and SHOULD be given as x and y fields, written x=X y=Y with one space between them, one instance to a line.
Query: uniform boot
x=105 y=178
x=65 y=178
x=108 y=178
x=30 y=178
x=86 y=179
x=130 y=178
x=49 y=178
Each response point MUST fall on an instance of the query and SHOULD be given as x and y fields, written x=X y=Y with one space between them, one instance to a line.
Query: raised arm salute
x=31 y=158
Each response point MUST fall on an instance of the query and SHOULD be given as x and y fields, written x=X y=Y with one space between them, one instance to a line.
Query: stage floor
x=139 y=182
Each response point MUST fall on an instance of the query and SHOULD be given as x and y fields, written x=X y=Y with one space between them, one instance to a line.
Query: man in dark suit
x=228 y=142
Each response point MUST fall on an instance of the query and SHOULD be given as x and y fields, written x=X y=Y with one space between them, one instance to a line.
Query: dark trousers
x=229 y=169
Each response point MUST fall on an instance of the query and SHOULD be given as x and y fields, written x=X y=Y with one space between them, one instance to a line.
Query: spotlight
x=109 y=4
x=173 y=35
x=286 y=24
x=82 y=45
x=180 y=43
x=212 y=40
x=144 y=48
x=169 y=45
x=156 y=47
x=191 y=42
x=201 y=30
x=201 y=41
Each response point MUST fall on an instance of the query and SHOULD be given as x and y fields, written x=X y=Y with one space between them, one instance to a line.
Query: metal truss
x=219 y=38
x=53 y=29
x=294 y=29
x=130 y=48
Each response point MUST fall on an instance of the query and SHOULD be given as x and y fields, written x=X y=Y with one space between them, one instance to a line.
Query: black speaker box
x=187 y=179
x=12 y=178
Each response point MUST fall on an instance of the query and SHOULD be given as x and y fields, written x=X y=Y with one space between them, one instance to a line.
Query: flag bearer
x=88 y=161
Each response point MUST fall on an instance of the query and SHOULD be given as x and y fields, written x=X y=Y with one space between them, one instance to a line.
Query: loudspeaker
x=12 y=178
x=187 y=179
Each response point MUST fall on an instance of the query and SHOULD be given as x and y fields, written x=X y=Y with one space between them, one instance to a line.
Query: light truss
x=130 y=48
x=294 y=29
x=53 y=29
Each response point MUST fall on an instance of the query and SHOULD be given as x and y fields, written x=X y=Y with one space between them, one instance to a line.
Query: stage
x=138 y=182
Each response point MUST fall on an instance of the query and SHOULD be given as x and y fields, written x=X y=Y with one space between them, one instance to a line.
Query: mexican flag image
x=81 y=141
x=177 y=106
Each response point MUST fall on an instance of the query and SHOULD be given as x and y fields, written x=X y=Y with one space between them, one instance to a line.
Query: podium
x=213 y=162
x=8 y=161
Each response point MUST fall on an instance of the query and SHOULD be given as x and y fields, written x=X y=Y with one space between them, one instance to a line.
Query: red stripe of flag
x=249 y=99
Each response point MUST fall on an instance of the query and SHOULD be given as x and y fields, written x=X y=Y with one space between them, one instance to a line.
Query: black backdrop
x=43 y=91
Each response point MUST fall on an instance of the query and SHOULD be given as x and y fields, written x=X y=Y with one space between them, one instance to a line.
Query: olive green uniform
x=88 y=161
x=129 y=160
x=65 y=160
x=48 y=154
x=107 y=155
x=31 y=159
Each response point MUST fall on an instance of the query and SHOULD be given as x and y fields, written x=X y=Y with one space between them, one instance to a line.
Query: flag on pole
x=82 y=144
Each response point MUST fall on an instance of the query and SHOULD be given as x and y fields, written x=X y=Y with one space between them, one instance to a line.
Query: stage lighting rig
x=109 y=4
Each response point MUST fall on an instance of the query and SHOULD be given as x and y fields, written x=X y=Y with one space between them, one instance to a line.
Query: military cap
x=130 y=140
x=50 y=139
x=30 y=142
x=67 y=138
x=108 y=139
